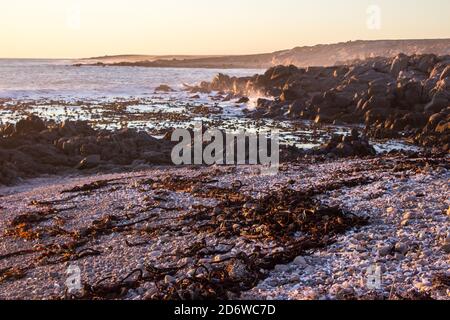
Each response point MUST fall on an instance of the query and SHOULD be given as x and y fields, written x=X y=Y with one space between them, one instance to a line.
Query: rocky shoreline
x=405 y=96
x=34 y=147
x=335 y=215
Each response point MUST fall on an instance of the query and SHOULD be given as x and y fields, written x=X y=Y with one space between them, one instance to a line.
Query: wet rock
x=291 y=93
x=263 y=103
x=426 y=63
x=392 y=96
x=324 y=118
x=347 y=146
x=409 y=93
x=295 y=109
x=243 y=100
x=443 y=128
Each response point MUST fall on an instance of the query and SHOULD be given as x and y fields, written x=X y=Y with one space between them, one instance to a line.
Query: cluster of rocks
x=347 y=146
x=33 y=146
x=394 y=97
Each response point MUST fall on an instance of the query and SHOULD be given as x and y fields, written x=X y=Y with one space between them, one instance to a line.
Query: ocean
x=58 y=79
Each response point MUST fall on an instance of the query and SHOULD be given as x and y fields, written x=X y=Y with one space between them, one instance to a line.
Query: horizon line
x=220 y=55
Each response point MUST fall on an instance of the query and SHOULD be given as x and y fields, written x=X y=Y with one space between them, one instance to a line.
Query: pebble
x=169 y=279
x=186 y=261
x=384 y=250
x=399 y=256
x=300 y=261
x=401 y=248
x=281 y=268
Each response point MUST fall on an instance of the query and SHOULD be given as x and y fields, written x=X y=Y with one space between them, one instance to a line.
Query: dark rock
x=376 y=102
x=7 y=130
x=443 y=127
x=295 y=109
x=243 y=100
x=347 y=146
x=445 y=73
x=410 y=93
x=31 y=151
x=437 y=104
x=164 y=88
x=263 y=103
x=426 y=63
x=30 y=124
x=89 y=149
x=89 y=162
x=400 y=63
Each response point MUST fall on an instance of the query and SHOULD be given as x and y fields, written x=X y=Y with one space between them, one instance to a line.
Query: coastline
x=316 y=230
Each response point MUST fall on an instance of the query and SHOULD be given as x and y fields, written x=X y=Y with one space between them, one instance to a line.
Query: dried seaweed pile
x=284 y=218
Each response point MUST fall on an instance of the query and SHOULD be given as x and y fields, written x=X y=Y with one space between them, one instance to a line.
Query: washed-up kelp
x=285 y=218
x=278 y=216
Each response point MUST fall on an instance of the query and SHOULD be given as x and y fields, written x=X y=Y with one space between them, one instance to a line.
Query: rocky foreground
x=314 y=231
x=405 y=96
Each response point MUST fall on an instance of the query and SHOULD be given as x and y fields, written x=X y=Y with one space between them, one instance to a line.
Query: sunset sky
x=84 y=28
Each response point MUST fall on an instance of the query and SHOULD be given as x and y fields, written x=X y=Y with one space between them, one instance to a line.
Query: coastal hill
x=318 y=55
